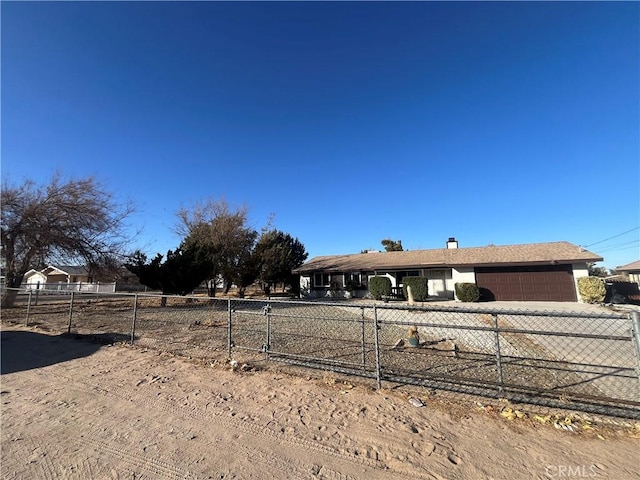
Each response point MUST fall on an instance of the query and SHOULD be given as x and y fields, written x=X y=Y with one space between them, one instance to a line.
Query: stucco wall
x=462 y=275
x=579 y=270
x=35 y=280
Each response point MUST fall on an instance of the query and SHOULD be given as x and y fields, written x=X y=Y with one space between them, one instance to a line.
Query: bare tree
x=223 y=232
x=76 y=220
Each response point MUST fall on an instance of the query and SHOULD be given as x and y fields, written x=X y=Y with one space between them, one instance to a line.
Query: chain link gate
x=324 y=336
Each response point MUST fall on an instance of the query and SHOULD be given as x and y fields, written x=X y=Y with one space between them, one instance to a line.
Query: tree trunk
x=8 y=298
x=211 y=288
x=10 y=290
x=227 y=287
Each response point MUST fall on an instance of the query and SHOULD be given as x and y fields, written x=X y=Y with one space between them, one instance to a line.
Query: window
x=354 y=278
x=401 y=274
x=320 y=279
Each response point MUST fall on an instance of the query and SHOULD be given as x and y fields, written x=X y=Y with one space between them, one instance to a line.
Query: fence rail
x=52 y=288
x=588 y=362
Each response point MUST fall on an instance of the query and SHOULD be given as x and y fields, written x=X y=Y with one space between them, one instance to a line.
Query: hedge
x=467 y=292
x=419 y=288
x=379 y=287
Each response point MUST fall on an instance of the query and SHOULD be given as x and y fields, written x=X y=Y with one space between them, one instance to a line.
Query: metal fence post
x=266 y=346
x=229 y=319
x=498 y=352
x=364 y=347
x=26 y=321
x=135 y=317
x=377 y=346
x=635 y=332
x=70 y=312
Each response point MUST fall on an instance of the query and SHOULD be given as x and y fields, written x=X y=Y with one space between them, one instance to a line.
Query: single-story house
x=68 y=274
x=632 y=270
x=527 y=272
x=34 y=279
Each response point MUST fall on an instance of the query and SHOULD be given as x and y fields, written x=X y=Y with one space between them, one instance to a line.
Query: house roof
x=493 y=255
x=65 y=270
x=630 y=267
x=31 y=273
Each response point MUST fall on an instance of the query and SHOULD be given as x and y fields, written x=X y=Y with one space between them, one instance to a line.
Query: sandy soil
x=80 y=410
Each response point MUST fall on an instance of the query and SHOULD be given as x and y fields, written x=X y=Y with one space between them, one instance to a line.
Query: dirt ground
x=74 y=409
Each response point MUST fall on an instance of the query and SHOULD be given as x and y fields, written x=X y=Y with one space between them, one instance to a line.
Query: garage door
x=553 y=283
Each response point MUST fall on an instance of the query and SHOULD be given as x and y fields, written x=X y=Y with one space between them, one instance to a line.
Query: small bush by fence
x=585 y=362
x=592 y=289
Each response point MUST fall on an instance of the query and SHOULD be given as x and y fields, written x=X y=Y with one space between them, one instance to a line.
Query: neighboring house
x=536 y=272
x=67 y=274
x=34 y=280
x=66 y=277
x=632 y=270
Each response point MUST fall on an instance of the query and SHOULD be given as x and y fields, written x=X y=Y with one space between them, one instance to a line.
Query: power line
x=611 y=238
x=620 y=246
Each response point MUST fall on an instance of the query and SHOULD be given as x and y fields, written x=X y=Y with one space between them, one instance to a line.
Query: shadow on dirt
x=28 y=350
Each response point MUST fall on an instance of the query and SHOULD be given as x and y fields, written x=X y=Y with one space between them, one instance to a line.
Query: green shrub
x=419 y=288
x=467 y=292
x=379 y=287
x=592 y=289
x=334 y=289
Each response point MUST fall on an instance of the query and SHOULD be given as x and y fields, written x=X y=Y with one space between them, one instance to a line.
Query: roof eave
x=338 y=269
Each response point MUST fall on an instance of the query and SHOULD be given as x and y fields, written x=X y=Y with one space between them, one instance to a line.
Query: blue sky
x=349 y=121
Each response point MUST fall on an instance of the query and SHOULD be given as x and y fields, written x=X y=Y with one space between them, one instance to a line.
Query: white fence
x=71 y=287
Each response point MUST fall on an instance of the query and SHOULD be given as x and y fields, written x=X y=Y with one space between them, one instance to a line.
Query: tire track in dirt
x=146 y=465
x=233 y=423
x=128 y=394
x=23 y=452
x=29 y=460
x=61 y=381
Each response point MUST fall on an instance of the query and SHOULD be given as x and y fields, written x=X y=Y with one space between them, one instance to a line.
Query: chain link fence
x=582 y=361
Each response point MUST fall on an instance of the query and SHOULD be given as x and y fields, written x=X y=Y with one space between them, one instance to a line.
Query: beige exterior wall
x=36 y=280
x=579 y=270
x=462 y=275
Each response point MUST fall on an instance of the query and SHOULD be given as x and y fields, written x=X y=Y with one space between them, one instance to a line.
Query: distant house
x=527 y=272
x=63 y=277
x=67 y=274
x=632 y=270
